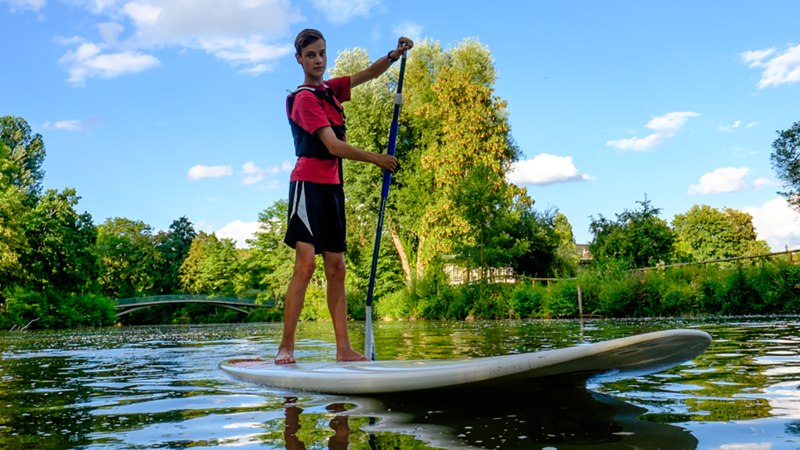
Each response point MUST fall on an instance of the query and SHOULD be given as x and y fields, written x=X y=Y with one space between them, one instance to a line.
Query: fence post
x=580 y=302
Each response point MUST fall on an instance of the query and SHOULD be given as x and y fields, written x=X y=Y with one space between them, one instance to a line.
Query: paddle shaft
x=369 y=346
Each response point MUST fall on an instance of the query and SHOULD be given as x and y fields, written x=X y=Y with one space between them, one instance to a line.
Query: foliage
x=26 y=156
x=129 y=262
x=51 y=309
x=58 y=254
x=12 y=211
x=173 y=246
x=210 y=266
x=785 y=159
x=638 y=238
x=451 y=128
x=704 y=233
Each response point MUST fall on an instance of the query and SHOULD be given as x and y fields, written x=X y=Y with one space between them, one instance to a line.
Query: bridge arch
x=243 y=305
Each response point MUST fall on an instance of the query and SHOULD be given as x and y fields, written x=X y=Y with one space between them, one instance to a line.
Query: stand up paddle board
x=619 y=358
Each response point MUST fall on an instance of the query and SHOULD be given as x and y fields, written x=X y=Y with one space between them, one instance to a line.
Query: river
x=160 y=387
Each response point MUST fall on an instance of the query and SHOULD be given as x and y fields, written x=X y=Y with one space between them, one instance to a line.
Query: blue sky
x=156 y=109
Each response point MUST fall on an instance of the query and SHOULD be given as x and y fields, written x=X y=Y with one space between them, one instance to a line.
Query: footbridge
x=243 y=305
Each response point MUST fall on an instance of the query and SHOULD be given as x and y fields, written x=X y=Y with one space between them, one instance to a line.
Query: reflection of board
x=625 y=357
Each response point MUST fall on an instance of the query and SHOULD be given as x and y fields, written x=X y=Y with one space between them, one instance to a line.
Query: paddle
x=369 y=346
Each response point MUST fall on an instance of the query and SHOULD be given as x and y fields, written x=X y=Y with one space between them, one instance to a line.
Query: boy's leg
x=295 y=297
x=337 y=305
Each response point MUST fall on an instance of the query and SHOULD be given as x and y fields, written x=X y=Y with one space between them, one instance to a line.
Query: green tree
x=58 y=254
x=451 y=124
x=705 y=233
x=786 y=162
x=211 y=266
x=129 y=261
x=173 y=246
x=538 y=230
x=27 y=153
x=490 y=241
x=638 y=238
x=12 y=211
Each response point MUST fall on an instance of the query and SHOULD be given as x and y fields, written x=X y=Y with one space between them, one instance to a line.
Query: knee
x=335 y=270
x=304 y=268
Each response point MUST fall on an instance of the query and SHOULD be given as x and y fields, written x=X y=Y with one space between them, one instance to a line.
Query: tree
x=58 y=255
x=638 y=238
x=12 y=211
x=451 y=124
x=173 y=246
x=27 y=153
x=490 y=240
x=129 y=261
x=786 y=162
x=705 y=233
x=211 y=266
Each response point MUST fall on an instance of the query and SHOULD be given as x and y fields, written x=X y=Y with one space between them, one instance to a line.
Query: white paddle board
x=619 y=358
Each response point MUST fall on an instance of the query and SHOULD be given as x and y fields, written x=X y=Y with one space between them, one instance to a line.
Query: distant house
x=583 y=252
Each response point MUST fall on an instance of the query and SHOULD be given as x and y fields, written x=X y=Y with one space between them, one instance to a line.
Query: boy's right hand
x=387 y=162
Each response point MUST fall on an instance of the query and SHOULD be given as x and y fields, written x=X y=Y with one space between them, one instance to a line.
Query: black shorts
x=316 y=216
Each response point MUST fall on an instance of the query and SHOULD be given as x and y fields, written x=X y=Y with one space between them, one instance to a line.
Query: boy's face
x=314 y=59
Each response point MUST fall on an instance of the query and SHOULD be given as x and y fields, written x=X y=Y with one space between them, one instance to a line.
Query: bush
x=561 y=300
x=526 y=300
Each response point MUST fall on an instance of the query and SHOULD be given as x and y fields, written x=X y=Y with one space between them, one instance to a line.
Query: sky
x=157 y=109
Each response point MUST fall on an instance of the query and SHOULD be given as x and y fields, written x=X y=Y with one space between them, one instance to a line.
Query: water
x=159 y=387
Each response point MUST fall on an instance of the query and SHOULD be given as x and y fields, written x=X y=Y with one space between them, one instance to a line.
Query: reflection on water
x=159 y=387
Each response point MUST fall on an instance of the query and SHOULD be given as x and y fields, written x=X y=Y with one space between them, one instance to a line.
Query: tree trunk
x=401 y=251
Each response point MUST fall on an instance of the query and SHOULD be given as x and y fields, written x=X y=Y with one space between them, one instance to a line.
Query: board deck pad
x=618 y=358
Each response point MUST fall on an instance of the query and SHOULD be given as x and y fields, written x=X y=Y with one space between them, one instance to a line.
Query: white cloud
x=342 y=11
x=778 y=68
x=725 y=179
x=19 y=5
x=730 y=128
x=664 y=126
x=239 y=231
x=410 y=30
x=764 y=181
x=238 y=32
x=545 y=169
x=89 y=61
x=777 y=223
x=72 y=125
x=254 y=174
x=755 y=58
x=199 y=172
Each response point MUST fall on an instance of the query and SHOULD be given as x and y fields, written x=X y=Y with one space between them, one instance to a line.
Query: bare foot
x=285 y=356
x=350 y=355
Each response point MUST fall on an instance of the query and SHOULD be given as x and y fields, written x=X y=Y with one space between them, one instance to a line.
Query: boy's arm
x=382 y=64
x=344 y=150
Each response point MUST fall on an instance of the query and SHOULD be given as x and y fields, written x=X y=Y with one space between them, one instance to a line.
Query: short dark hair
x=305 y=38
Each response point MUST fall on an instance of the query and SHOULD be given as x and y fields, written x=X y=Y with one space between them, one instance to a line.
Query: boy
x=316 y=197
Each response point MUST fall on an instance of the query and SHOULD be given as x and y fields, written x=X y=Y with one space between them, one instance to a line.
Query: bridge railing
x=182 y=297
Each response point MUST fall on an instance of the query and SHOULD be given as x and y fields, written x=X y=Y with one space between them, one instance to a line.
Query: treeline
x=450 y=207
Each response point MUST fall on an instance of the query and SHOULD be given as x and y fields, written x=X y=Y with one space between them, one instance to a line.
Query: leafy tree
x=58 y=255
x=27 y=153
x=12 y=211
x=638 y=238
x=705 y=233
x=129 y=261
x=451 y=125
x=538 y=231
x=490 y=240
x=567 y=258
x=173 y=246
x=786 y=162
x=211 y=266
